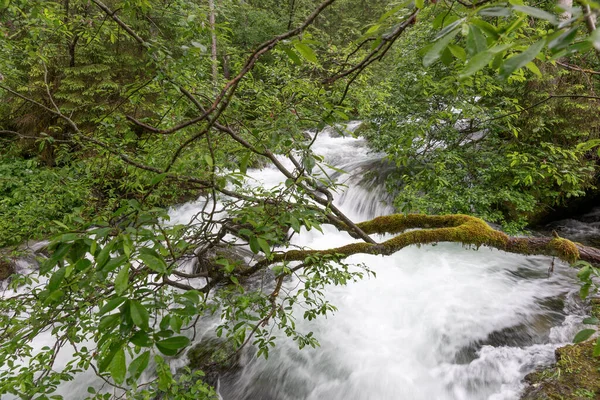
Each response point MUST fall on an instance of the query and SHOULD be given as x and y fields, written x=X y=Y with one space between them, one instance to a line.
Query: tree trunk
x=211 y=18
x=565 y=5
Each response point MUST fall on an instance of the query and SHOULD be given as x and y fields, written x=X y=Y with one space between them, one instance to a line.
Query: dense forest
x=112 y=112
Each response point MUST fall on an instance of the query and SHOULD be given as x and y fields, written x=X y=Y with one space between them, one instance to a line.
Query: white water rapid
x=437 y=323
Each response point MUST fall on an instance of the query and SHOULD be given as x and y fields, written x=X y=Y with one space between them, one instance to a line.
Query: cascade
x=438 y=322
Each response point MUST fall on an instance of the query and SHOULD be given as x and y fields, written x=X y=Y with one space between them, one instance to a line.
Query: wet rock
x=7 y=268
x=575 y=376
x=207 y=262
x=214 y=356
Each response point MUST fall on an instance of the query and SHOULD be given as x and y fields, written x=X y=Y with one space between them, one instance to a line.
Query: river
x=438 y=322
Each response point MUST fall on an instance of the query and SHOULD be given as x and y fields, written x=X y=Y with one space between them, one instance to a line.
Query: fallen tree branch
x=419 y=229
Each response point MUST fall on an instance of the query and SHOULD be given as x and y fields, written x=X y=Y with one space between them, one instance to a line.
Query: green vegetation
x=574 y=377
x=508 y=151
x=112 y=111
x=576 y=374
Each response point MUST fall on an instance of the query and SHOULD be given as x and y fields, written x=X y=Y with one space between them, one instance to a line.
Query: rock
x=575 y=376
x=215 y=357
x=207 y=262
x=7 y=268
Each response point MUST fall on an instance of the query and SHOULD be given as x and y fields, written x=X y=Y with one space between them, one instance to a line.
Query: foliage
x=35 y=197
x=119 y=100
x=507 y=151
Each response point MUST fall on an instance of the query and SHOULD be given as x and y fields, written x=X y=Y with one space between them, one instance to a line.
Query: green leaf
x=306 y=51
x=583 y=335
x=520 y=60
x=139 y=314
x=436 y=50
x=176 y=322
x=254 y=246
x=446 y=57
x=199 y=45
x=514 y=26
x=584 y=273
x=476 y=63
x=308 y=163
x=450 y=28
x=108 y=355
x=394 y=10
x=141 y=339
x=264 y=246
x=486 y=27
x=111 y=305
x=373 y=29
x=54 y=297
x=82 y=265
x=56 y=279
x=157 y=179
x=500 y=48
x=138 y=365
x=113 y=263
x=537 y=13
x=117 y=367
x=292 y=55
x=60 y=252
x=585 y=291
x=154 y=263
x=476 y=42
x=534 y=68
x=586 y=146
x=562 y=41
x=494 y=12
x=458 y=52
x=244 y=163
x=591 y=321
x=69 y=237
x=596 y=352
x=56 y=221
x=108 y=321
x=419 y=3
x=104 y=255
x=171 y=346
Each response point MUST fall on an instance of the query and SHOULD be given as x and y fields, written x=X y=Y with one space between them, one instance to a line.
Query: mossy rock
x=208 y=262
x=576 y=376
x=215 y=357
x=7 y=268
x=595 y=303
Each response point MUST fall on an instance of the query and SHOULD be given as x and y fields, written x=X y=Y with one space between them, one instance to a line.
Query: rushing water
x=438 y=322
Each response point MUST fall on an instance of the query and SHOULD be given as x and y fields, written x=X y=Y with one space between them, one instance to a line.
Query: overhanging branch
x=432 y=229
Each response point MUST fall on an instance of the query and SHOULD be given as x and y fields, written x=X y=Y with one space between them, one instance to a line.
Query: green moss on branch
x=420 y=229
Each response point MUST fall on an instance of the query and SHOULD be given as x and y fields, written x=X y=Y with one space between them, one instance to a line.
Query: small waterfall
x=438 y=322
x=584 y=229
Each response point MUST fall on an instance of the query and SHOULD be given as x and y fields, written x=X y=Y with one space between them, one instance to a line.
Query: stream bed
x=438 y=322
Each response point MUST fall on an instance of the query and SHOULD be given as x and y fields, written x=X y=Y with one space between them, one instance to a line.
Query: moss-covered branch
x=422 y=229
